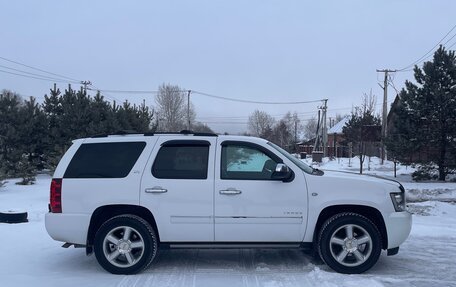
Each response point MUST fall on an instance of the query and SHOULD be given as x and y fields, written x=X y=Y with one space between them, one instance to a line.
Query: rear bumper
x=392 y=251
x=70 y=228
x=398 y=227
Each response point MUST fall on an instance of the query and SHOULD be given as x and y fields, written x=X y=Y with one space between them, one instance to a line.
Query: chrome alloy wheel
x=123 y=246
x=351 y=245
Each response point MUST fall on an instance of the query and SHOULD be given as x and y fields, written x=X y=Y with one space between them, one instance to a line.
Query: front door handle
x=156 y=189
x=230 y=191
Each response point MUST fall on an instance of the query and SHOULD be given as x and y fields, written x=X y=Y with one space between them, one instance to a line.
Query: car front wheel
x=125 y=244
x=349 y=243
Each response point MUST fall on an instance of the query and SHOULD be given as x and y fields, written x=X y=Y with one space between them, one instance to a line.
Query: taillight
x=56 y=195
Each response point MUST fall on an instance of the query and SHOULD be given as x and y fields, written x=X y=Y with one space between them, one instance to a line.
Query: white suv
x=126 y=196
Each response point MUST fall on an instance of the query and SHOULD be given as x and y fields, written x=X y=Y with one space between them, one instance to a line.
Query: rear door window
x=178 y=159
x=104 y=160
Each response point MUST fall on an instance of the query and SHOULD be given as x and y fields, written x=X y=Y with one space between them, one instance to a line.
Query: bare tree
x=362 y=116
x=340 y=117
x=368 y=103
x=285 y=133
x=172 y=108
x=259 y=123
x=310 y=128
x=293 y=127
x=201 y=128
x=281 y=135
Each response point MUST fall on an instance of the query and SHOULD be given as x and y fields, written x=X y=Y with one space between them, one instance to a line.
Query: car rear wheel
x=349 y=243
x=125 y=244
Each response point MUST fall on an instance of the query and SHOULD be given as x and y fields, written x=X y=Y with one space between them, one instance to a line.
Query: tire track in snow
x=423 y=261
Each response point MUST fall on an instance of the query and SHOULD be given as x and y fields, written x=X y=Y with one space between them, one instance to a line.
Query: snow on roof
x=337 y=128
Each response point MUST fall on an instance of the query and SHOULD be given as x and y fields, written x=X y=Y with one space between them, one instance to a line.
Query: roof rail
x=131 y=132
x=120 y=133
x=189 y=132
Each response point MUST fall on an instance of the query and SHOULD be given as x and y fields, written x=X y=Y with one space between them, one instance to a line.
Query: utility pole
x=322 y=129
x=385 y=109
x=188 y=109
x=85 y=84
x=325 y=128
x=296 y=136
x=317 y=136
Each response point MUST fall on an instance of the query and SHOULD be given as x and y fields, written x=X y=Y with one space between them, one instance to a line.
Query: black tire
x=129 y=232
x=349 y=254
x=13 y=217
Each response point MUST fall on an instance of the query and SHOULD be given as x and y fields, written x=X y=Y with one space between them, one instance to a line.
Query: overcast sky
x=254 y=50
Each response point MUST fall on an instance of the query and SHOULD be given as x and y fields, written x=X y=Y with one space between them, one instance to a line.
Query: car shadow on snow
x=233 y=260
x=74 y=260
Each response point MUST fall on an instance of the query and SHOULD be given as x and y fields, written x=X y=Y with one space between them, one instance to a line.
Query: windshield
x=296 y=161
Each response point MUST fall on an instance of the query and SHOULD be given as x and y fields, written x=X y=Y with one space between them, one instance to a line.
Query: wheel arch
x=103 y=213
x=370 y=212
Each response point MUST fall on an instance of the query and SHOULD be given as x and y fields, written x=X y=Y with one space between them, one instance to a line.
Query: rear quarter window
x=104 y=160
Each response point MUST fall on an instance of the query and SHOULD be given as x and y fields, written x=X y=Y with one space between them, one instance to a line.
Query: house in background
x=336 y=139
x=335 y=146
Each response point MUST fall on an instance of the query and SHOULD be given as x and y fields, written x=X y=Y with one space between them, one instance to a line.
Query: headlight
x=398 y=199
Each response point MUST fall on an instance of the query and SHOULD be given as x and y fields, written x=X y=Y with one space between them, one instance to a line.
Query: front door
x=249 y=205
x=177 y=187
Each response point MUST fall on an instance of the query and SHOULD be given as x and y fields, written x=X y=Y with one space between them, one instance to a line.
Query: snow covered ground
x=29 y=257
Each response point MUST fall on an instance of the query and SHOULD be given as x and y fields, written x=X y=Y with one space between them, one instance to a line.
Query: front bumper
x=398 y=227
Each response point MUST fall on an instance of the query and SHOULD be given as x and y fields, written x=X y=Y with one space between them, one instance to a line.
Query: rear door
x=249 y=205
x=105 y=171
x=177 y=187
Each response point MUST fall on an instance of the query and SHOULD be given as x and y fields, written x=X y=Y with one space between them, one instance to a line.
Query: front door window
x=245 y=162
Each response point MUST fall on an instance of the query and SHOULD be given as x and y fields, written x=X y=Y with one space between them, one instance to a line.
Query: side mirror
x=282 y=172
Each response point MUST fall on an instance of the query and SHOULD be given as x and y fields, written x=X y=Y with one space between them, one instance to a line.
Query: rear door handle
x=230 y=191
x=156 y=189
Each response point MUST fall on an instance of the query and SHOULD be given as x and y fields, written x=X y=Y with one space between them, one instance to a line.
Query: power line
x=452 y=45
x=246 y=117
x=40 y=70
x=430 y=55
x=401 y=71
x=126 y=91
x=348 y=108
x=227 y=123
x=449 y=39
x=235 y=122
x=103 y=93
x=233 y=118
x=391 y=83
x=426 y=54
x=254 y=102
x=240 y=121
x=209 y=95
x=61 y=79
x=36 y=75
